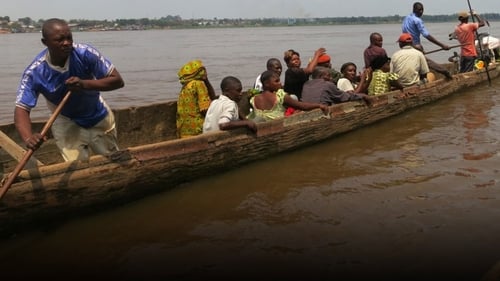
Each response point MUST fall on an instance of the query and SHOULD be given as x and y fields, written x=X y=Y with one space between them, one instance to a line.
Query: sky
x=209 y=9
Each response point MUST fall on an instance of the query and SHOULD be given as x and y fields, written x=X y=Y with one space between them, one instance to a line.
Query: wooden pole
x=12 y=176
x=441 y=49
x=480 y=44
x=16 y=151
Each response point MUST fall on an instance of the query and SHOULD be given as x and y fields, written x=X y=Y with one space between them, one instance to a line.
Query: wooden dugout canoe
x=152 y=159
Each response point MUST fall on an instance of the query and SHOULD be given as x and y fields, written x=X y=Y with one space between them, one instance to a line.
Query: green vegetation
x=169 y=22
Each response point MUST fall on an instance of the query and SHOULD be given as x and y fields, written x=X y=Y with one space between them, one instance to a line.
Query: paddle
x=16 y=151
x=12 y=176
x=479 y=43
x=441 y=49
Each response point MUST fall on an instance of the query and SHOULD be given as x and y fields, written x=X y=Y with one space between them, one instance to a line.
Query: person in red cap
x=325 y=61
x=465 y=33
x=408 y=62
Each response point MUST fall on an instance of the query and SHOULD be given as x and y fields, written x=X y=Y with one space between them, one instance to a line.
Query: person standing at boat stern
x=465 y=33
x=86 y=122
x=414 y=25
x=194 y=99
x=223 y=113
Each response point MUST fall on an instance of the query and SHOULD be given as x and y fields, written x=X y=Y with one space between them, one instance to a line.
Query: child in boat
x=272 y=102
x=223 y=113
x=382 y=80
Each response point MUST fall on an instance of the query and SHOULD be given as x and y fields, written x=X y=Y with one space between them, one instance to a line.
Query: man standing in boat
x=466 y=35
x=86 y=122
x=414 y=25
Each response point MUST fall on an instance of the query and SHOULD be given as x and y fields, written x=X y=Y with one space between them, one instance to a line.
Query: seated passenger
x=409 y=63
x=325 y=61
x=295 y=76
x=272 y=102
x=321 y=89
x=383 y=80
x=272 y=64
x=223 y=113
x=351 y=82
x=434 y=66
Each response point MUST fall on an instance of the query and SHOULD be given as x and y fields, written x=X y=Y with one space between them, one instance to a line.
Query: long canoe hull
x=64 y=189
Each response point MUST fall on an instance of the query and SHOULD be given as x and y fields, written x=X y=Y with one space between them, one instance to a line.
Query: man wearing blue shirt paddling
x=414 y=25
x=86 y=123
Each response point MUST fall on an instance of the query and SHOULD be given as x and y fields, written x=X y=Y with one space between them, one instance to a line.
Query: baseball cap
x=463 y=14
x=324 y=58
x=405 y=37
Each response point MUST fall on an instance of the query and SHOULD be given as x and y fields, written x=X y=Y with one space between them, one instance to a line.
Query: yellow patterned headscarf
x=193 y=70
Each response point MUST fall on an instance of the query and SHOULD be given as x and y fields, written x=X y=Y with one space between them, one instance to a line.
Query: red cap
x=405 y=37
x=324 y=58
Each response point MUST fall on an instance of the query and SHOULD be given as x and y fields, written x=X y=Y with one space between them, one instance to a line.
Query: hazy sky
x=127 y=9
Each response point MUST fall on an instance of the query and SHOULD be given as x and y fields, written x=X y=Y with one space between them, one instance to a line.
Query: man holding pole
x=86 y=123
x=414 y=25
x=465 y=33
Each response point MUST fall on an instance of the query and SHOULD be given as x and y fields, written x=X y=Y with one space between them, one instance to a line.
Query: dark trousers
x=467 y=64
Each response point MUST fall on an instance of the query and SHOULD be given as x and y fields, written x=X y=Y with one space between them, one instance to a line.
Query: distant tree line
x=27 y=24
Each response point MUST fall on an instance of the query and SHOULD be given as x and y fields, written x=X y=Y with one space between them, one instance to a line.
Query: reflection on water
x=477 y=124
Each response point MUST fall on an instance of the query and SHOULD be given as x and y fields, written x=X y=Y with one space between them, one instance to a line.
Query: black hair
x=373 y=35
x=271 y=61
x=47 y=25
x=266 y=75
x=345 y=65
x=228 y=81
x=319 y=71
x=417 y=6
x=378 y=62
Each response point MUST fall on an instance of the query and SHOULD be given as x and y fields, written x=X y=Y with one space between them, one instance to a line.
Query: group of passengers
x=87 y=124
x=318 y=85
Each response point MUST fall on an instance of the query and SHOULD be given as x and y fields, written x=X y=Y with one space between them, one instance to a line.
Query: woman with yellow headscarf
x=194 y=99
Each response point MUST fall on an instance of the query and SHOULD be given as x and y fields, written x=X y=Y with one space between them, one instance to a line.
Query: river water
x=413 y=197
x=149 y=60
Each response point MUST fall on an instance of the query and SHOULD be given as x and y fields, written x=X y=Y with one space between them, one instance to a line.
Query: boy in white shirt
x=223 y=113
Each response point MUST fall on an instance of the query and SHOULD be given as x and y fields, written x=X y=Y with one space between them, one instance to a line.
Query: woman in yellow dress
x=194 y=99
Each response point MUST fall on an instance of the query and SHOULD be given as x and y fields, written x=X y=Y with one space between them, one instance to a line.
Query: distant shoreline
x=27 y=25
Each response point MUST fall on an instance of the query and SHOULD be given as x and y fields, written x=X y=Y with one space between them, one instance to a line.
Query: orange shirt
x=465 y=35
